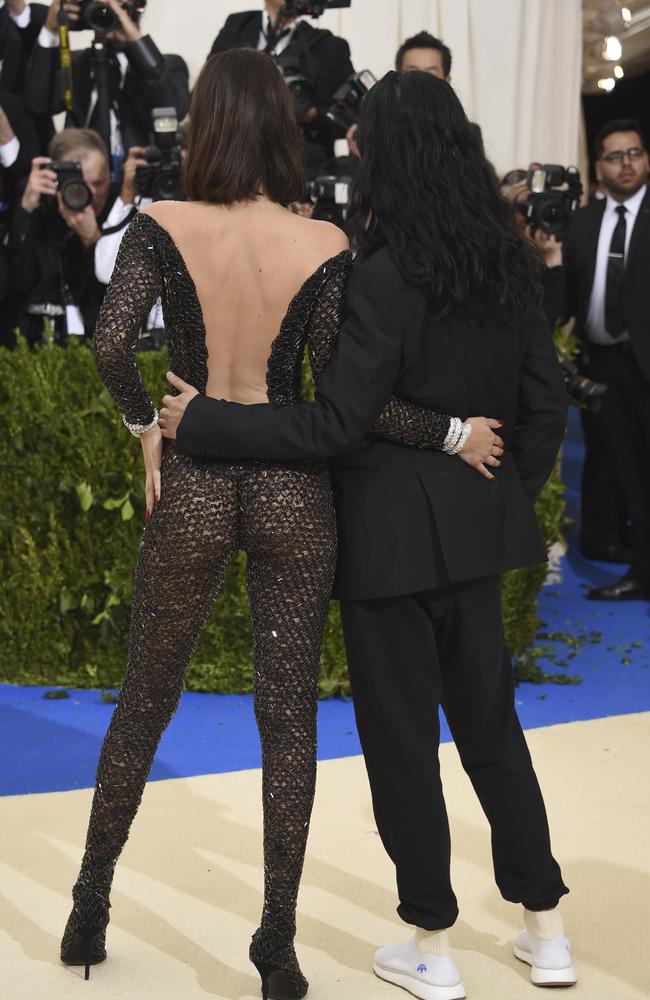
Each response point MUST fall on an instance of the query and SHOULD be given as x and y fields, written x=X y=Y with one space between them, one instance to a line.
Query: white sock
x=432 y=942
x=545 y=924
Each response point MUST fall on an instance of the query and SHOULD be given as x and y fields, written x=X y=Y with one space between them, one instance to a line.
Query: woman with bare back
x=245 y=286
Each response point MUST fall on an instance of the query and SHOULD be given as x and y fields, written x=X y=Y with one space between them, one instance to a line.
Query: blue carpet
x=52 y=745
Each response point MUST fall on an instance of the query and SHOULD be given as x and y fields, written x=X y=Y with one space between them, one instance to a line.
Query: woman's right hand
x=152 y=450
x=483 y=447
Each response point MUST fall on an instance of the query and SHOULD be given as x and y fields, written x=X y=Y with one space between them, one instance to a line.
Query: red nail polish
x=147 y=516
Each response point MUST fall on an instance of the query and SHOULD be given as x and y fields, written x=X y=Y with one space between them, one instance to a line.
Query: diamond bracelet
x=138 y=429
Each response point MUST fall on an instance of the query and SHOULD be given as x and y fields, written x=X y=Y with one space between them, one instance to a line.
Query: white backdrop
x=517 y=63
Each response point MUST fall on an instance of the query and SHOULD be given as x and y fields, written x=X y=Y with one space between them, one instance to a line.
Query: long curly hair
x=426 y=189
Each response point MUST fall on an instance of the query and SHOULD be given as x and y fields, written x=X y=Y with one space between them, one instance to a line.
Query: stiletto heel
x=82 y=948
x=279 y=984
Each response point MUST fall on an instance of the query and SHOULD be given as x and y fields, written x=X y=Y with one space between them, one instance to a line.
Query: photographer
x=314 y=61
x=607 y=254
x=54 y=234
x=139 y=78
x=514 y=188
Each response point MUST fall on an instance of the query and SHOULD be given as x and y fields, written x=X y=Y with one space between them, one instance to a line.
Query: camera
x=302 y=91
x=581 y=390
x=346 y=109
x=311 y=8
x=75 y=192
x=332 y=196
x=160 y=180
x=101 y=18
x=554 y=198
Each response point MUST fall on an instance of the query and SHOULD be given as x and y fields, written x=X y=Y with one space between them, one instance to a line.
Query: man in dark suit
x=607 y=264
x=20 y=23
x=139 y=79
x=300 y=50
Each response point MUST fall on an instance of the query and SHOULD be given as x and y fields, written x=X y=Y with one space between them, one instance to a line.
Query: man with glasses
x=607 y=259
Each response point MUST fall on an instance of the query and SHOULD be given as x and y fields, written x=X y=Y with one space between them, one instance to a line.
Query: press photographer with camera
x=314 y=62
x=54 y=234
x=607 y=265
x=117 y=81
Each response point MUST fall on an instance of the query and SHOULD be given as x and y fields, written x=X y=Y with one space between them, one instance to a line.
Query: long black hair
x=426 y=189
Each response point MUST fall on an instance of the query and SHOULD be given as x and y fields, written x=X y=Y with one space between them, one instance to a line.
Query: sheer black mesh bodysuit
x=282 y=516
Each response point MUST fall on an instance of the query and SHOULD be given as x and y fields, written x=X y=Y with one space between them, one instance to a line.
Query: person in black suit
x=299 y=49
x=52 y=247
x=20 y=23
x=139 y=80
x=443 y=310
x=606 y=255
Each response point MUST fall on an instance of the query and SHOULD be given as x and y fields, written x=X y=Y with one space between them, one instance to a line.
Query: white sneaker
x=550 y=960
x=430 y=977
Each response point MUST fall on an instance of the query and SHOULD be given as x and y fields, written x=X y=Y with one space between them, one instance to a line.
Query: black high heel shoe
x=84 y=946
x=280 y=984
x=84 y=937
x=278 y=967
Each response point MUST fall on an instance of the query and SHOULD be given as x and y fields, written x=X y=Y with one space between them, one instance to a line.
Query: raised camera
x=346 y=109
x=74 y=191
x=101 y=18
x=160 y=180
x=554 y=199
x=312 y=8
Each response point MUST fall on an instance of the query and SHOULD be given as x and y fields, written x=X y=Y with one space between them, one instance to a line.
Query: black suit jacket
x=580 y=251
x=410 y=520
x=321 y=56
x=16 y=45
x=168 y=86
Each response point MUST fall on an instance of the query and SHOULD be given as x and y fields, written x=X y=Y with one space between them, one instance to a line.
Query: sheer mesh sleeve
x=400 y=421
x=135 y=286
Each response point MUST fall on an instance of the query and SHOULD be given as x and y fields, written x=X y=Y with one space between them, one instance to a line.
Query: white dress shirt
x=282 y=44
x=596 y=331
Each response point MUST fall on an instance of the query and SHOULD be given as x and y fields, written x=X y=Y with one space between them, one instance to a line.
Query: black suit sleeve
x=541 y=410
x=43 y=91
x=349 y=399
x=163 y=81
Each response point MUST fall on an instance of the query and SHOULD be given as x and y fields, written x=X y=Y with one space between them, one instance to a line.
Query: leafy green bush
x=71 y=513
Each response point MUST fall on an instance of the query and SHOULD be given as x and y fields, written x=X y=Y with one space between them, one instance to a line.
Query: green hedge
x=72 y=506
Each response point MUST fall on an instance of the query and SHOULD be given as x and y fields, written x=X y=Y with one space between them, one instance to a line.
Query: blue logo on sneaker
x=422 y=968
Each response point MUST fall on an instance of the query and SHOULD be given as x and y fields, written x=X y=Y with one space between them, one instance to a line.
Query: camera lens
x=166 y=187
x=554 y=217
x=76 y=195
x=102 y=17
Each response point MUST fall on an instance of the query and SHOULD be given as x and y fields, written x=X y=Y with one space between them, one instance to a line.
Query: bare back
x=247 y=263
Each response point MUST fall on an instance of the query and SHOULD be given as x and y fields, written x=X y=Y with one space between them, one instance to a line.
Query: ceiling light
x=608 y=83
x=626 y=14
x=618 y=72
x=612 y=49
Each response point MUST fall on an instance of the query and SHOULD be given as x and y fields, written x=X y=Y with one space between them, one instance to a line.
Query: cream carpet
x=187 y=893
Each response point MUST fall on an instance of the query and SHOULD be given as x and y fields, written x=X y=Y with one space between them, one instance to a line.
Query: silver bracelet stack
x=457 y=436
x=138 y=429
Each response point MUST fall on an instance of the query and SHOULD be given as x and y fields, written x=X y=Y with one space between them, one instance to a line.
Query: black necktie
x=614 y=318
x=274 y=37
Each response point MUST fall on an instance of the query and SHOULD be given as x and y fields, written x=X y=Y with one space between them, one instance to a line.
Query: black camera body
x=555 y=194
x=160 y=180
x=302 y=90
x=346 y=109
x=75 y=192
x=312 y=8
x=582 y=391
x=101 y=18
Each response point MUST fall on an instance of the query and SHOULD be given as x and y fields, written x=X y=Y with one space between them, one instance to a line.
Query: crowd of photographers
x=67 y=197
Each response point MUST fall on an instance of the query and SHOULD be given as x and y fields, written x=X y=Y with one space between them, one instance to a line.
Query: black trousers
x=406 y=656
x=603 y=511
x=623 y=427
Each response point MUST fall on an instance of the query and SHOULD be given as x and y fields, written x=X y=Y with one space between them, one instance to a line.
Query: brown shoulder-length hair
x=243 y=135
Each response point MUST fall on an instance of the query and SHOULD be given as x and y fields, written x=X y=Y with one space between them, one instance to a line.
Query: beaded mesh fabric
x=282 y=516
